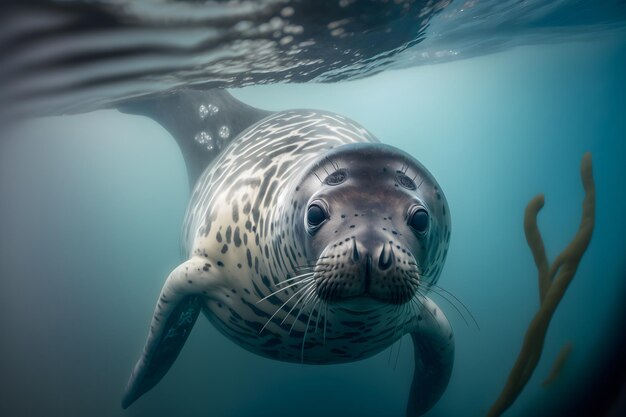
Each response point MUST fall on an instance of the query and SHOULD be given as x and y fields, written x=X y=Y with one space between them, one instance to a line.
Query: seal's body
x=309 y=241
x=241 y=216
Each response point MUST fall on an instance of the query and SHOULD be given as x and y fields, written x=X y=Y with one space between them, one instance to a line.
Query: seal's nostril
x=355 y=251
x=386 y=257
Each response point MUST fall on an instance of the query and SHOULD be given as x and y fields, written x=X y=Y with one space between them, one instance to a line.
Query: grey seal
x=307 y=240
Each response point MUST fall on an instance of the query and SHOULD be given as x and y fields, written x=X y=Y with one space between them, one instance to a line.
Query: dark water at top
x=77 y=55
x=498 y=99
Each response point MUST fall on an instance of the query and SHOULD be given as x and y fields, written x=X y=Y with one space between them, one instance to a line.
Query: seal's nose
x=384 y=260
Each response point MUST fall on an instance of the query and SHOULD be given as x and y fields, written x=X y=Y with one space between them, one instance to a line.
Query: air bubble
x=207 y=110
x=287 y=12
x=224 y=132
x=213 y=109
x=203 y=138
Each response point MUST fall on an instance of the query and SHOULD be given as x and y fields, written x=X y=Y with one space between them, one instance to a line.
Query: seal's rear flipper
x=433 y=345
x=176 y=312
x=202 y=122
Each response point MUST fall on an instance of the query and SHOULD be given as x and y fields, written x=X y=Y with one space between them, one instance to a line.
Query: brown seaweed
x=557 y=366
x=553 y=281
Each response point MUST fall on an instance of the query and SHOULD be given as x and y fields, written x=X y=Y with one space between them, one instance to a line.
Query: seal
x=309 y=241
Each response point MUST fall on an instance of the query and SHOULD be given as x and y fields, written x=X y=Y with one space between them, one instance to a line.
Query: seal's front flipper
x=433 y=344
x=201 y=121
x=175 y=314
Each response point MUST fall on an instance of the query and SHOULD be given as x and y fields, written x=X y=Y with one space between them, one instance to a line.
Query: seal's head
x=376 y=224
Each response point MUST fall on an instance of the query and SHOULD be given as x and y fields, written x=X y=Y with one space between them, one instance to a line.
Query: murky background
x=91 y=206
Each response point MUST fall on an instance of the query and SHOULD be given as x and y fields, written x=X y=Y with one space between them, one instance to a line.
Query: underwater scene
x=312 y=208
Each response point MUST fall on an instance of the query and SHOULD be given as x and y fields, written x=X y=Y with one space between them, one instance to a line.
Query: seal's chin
x=366 y=301
x=362 y=304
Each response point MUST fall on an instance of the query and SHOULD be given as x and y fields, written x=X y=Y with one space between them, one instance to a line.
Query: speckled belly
x=324 y=335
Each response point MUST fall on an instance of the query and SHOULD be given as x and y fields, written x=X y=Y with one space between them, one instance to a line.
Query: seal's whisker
x=308 y=274
x=308 y=297
x=318 y=313
x=300 y=271
x=453 y=306
x=284 y=288
x=422 y=307
x=440 y=291
x=404 y=311
x=412 y=308
x=417 y=306
x=334 y=286
x=398 y=314
x=325 y=321
x=395 y=365
x=309 y=288
x=306 y=330
x=304 y=267
x=280 y=308
x=437 y=287
x=306 y=302
x=399 y=321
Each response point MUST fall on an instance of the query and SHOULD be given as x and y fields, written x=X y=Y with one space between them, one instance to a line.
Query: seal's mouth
x=340 y=275
x=368 y=273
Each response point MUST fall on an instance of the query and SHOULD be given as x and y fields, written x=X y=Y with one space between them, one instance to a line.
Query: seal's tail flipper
x=202 y=122
x=175 y=314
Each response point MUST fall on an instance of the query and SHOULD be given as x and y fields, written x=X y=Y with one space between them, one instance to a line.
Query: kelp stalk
x=553 y=281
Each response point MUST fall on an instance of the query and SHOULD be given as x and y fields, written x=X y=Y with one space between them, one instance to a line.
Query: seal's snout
x=384 y=258
x=366 y=268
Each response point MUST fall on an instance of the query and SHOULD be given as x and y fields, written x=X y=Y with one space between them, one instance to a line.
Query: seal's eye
x=336 y=177
x=315 y=215
x=419 y=220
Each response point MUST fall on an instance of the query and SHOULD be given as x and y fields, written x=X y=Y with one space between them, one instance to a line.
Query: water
x=68 y=56
x=91 y=206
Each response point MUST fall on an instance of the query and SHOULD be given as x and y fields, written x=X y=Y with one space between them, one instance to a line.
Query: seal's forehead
x=373 y=155
x=372 y=162
x=376 y=173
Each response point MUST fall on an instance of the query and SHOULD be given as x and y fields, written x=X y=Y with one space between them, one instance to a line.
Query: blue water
x=91 y=207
